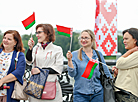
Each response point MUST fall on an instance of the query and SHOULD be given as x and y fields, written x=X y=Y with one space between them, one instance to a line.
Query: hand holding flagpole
x=28 y=23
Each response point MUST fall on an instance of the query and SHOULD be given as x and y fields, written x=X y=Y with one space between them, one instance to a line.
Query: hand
x=115 y=70
x=31 y=43
x=134 y=49
x=35 y=71
x=69 y=56
x=1 y=83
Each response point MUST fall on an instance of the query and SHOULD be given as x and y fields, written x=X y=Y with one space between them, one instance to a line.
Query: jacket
x=18 y=73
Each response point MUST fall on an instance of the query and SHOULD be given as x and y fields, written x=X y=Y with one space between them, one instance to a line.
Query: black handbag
x=107 y=83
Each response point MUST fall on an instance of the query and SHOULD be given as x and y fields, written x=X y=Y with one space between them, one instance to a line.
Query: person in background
x=86 y=90
x=126 y=68
x=11 y=44
x=46 y=55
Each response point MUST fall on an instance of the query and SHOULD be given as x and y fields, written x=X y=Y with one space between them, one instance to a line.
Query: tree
x=121 y=47
x=64 y=42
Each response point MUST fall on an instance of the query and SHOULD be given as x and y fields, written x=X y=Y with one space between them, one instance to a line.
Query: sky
x=78 y=14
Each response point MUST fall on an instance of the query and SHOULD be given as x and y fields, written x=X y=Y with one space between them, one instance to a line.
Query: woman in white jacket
x=46 y=55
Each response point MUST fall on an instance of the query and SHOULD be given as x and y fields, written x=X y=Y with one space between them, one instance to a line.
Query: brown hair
x=49 y=30
x=92 y=35
x=17 y=38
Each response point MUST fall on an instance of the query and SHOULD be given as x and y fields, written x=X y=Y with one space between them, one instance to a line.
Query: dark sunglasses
x=39 y=32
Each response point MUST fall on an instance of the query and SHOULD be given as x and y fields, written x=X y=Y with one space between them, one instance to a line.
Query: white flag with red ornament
x=106 y=26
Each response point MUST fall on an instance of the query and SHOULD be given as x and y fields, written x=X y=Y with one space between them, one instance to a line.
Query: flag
x=29 y=22
x=106 y=27
x=89 y=70
x=65 y=31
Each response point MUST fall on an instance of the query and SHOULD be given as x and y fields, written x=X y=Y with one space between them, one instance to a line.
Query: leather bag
x=49 y=91
x=107 y=83
x=18 y=92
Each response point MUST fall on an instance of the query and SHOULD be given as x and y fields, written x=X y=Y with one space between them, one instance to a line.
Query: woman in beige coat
x=46 y=55
x=126 y=68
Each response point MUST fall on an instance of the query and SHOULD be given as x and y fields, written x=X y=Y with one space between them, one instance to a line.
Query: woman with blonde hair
x=86 y=90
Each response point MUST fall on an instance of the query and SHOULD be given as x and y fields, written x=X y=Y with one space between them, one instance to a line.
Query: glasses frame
x=80 y=38
x=39 y=32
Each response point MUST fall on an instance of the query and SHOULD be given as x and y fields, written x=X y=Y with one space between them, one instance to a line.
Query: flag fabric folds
x=29 y=22
x=65 y=31
x=89 y=70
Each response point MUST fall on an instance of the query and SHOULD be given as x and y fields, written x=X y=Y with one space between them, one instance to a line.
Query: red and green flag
x=29 y=22
x=89 y=70
x=65 y=31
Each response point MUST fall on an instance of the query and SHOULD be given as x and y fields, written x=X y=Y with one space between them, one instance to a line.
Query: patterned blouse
x=5 y=61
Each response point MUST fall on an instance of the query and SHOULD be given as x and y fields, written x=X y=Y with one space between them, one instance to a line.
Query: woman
x=11 y=44
x=46 y=55
x=86 y=90
x=127 y=68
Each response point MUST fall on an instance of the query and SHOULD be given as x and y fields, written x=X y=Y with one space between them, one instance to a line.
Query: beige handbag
x=18 y=92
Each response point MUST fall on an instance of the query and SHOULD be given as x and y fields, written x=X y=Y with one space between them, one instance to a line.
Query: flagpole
x=31 y=32
x=71 y=39
x=70 y=44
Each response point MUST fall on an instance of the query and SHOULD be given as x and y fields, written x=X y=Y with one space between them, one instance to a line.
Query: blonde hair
x=92 y=35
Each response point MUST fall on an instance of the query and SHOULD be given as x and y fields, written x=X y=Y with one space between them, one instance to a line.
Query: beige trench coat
x=51 y=56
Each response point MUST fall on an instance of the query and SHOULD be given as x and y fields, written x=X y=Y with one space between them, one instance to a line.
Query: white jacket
x=51 y=56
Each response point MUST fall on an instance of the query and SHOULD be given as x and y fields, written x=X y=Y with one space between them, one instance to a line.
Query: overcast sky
x=79 y=14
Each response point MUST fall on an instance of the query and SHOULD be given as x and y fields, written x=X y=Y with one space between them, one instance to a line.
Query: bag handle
x=101 y=66
x=16 y=59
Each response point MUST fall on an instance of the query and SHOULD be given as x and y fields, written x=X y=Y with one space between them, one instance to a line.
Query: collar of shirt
x=44 y=45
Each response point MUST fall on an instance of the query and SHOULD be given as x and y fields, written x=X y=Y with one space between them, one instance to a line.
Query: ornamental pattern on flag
x=106 y=26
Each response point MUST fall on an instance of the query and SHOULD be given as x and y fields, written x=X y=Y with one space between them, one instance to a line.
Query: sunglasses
x=39 y=32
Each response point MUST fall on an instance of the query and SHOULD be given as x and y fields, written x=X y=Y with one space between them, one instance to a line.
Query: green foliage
x=64 y=42
x=25 y=39
x=1 y=38
x=121 y=47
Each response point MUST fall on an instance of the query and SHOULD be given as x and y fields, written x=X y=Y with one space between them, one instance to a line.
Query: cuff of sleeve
x=70 y=69
x=19 y=79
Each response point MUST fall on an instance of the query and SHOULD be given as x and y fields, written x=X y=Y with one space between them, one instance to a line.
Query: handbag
x=49 y=91
x=18 y=92
x=107 y=83
x=36 y=84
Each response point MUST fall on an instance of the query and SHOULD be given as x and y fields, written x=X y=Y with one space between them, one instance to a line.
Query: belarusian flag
x=29 y=22
x=89 y=70
x=66 y=31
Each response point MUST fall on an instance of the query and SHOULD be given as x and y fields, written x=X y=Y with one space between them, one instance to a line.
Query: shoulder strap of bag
x=100 y=65
x=16 y=59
